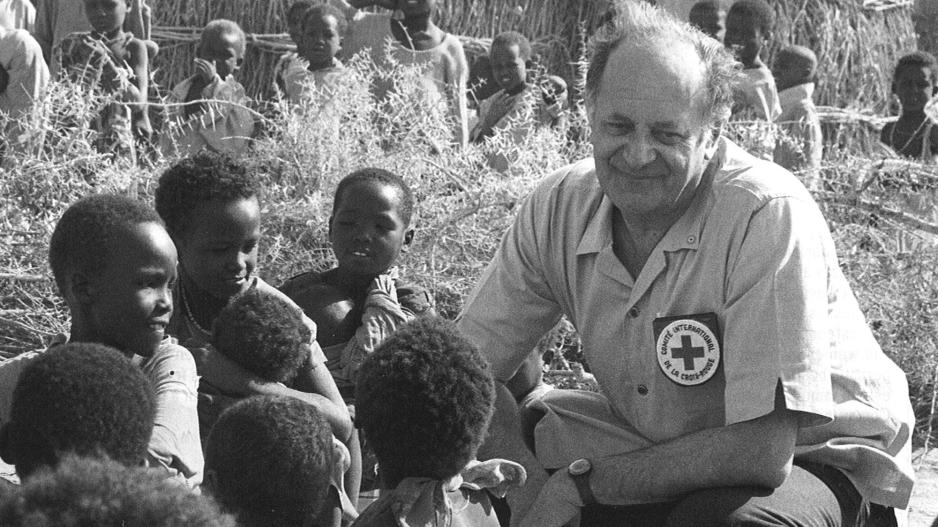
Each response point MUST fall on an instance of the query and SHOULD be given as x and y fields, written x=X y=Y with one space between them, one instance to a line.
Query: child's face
x=320 y=39
x=508 y=66
x=367 y=231
x=744 y=37
x=106 y=15
x=914 y=87
x=710 y=21
x=224 y=50
x=219 y=252
x=129 y=303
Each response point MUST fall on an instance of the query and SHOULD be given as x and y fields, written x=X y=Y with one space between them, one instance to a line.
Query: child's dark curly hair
x=918 y=60
x=424 y=399
x=513 y=38
x=272 y=458
x=382 y=177
x=324 y=10
x=759 y=11
x=84 y=398
x=201 y=178
x=88 y=491
x=82 y=238
x=262 y=333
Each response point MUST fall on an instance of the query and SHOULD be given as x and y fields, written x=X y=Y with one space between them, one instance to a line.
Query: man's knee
x=724 y=507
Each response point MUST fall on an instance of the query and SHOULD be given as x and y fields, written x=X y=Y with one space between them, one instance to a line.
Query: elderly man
x=740 y=383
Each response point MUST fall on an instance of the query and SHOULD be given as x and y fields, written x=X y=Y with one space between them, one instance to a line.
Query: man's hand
x=557 y=503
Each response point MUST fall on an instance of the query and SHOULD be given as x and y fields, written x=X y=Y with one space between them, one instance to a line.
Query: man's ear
x=408 y=237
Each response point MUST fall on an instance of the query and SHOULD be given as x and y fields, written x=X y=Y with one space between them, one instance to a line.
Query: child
x=23 y=78
x=57 y=19
x=114 y=264
x=748 y=26
x=516 y=106
x=318 y=39
x=226 y=123
x=709 y=17
x=416 y=40
x=360 y=302
x=211 y=208
x=425 y=398
x=915 y=82
x=90 y=491
x=86 y=399
x=801 y=150
x=262 y=333
x=269 y=460
x=291 y=59
x=111 y=63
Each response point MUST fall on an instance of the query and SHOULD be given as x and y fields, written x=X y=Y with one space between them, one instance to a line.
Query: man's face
x=130 y=301
x=651 y=139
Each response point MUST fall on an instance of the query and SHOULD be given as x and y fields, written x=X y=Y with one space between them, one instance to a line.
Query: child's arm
x=229 y=377
x=314 y=378
x=139 y=62
x=458 y=95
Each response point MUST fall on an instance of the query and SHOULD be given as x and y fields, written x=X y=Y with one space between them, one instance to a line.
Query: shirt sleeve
x=777 y=327
x=513 y=306
x=175 y=444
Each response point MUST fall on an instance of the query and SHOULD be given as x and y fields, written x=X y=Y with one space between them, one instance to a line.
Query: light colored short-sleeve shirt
x=754 y=254
x=28 y=75
x=175 y=444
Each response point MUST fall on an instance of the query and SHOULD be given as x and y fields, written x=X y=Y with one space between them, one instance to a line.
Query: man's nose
x=638 y=151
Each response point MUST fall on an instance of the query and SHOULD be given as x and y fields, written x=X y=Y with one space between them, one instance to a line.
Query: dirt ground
x=924 y=506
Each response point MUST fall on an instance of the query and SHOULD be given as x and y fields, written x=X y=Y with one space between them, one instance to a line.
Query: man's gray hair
x=640 y=23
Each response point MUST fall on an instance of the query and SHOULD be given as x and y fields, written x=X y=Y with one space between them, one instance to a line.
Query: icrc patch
x=688 y=347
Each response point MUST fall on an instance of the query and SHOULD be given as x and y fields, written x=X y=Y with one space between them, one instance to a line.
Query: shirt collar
x=796 y=94
x=683 y=234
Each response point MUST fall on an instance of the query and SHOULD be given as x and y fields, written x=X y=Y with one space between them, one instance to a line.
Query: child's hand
x=4 y=79
x=501 y=105
x=205 y=70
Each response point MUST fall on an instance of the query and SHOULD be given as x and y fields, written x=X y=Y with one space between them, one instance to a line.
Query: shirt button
x=633 y=313
x=691 y=239
x=642 y=389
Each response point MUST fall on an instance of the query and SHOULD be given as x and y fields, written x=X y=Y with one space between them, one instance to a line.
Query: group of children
x=182 y=359
x=111 y=62
x=784 y=94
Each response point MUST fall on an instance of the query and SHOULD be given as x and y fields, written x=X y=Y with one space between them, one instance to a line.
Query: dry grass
x=464 y=204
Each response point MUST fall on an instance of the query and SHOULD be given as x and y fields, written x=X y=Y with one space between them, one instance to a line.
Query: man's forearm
x=753 y=453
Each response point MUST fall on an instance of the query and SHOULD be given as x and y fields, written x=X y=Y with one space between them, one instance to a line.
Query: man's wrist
x=579 y=471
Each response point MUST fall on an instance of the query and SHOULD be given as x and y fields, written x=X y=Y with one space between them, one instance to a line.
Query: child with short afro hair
x=89 y=491
x=748 y=28
x=87 y=399
x=313 y=68
x=114 y=265
x=424 y=401
x=224 y=123
x=263 y=334
x=270 y=459
x=915 y=83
